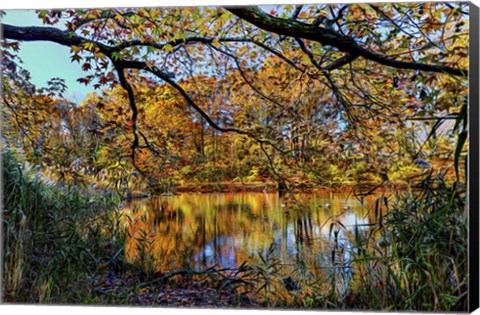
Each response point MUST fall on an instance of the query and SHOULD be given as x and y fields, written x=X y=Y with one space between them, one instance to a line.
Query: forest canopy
x=302 y=95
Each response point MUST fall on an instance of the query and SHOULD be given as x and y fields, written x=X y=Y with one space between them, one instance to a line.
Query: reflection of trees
x=201 y=230
x=304 y=229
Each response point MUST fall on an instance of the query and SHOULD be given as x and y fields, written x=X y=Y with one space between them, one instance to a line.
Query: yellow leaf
x=76 y=49
x=89 y=45
x=168 y=47
x=216 y=42
x=99 y=55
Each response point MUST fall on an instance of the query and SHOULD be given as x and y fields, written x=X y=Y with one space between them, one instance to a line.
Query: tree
x=274 y=77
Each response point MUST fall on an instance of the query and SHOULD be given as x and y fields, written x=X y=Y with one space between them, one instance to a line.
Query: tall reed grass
x=54 y=239
x=416 y=257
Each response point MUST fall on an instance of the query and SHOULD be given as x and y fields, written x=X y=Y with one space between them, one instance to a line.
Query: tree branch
x=51 y=34
x=67 y=38
x=327 y=37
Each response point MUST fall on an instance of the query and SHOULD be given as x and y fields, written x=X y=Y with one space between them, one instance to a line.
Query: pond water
x=201 y=230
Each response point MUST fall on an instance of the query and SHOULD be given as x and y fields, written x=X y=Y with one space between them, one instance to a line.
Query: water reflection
x=201 y=230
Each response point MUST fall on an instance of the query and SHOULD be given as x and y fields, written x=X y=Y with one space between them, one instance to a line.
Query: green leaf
x=185 y=169
x=462 y=116
x=225 y=17
x=150 y=49
x=76 y=57
x=462 y=137
x=168 y=47
x=42 y=13
x=116 y=56
x=182 y=35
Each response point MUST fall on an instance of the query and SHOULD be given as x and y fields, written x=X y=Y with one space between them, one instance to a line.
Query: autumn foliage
x=293 y=98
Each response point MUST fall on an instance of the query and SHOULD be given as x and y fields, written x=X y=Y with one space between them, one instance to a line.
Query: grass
x=54 y=240
x=419 y=250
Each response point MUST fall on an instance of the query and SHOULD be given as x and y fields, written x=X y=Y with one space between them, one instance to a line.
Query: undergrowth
x=54 y=239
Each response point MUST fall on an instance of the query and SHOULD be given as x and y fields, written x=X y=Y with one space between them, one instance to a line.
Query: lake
x=201 y=230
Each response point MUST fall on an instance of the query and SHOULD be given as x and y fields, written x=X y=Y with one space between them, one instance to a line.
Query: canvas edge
x=473 y=160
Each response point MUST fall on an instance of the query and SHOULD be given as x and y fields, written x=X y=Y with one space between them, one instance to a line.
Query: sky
x=47 y=60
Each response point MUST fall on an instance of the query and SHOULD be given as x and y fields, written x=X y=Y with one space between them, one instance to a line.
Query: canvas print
x=302 y=156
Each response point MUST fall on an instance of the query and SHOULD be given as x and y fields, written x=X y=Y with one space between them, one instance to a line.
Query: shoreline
x=258 y=187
